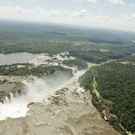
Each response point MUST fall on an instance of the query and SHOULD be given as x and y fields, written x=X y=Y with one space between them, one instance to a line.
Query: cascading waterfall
x=36 y=90
x=10 y=97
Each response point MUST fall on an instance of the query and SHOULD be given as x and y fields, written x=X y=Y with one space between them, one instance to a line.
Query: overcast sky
x=114 y=14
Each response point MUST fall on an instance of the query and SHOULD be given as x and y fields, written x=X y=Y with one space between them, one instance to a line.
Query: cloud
x=67 y=13
x=81 y=13
x=132 y=16
x=103 y=19
x=117 y=2
x=92 y=1
x=116 y=16
x=114 y=2
x=22 y=14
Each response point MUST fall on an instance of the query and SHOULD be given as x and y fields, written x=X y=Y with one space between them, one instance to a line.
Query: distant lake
x=8 y=59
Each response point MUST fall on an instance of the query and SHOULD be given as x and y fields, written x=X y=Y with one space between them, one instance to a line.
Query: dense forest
x=115 y=83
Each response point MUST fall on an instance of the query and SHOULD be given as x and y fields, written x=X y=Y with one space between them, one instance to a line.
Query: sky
x=110 y=14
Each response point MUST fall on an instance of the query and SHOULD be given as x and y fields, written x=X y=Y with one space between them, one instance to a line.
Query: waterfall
x=6 y=100
x=11 y=96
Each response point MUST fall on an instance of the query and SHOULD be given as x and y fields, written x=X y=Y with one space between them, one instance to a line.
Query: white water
x=37 y=90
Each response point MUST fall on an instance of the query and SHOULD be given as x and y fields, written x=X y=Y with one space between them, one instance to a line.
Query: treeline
x=29 y=69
